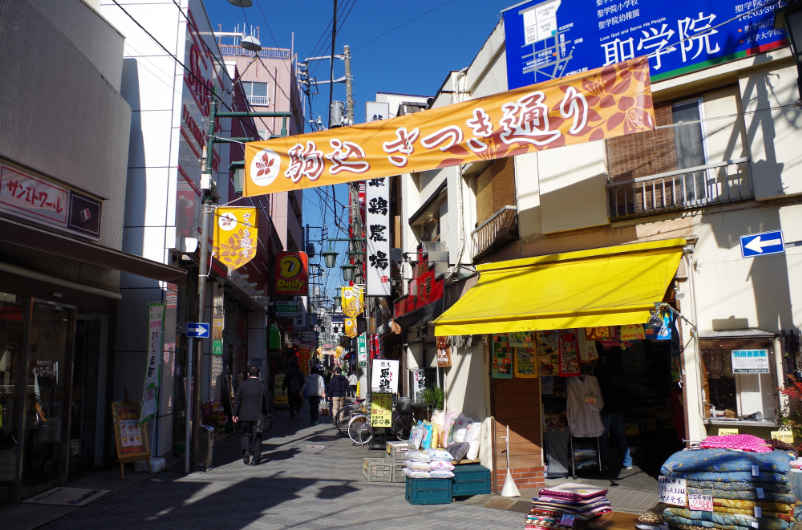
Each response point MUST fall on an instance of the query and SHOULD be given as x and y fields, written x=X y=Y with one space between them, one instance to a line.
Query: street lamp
x=329 y=258
x=789 y=18
x=348 y=272
x=337 y=298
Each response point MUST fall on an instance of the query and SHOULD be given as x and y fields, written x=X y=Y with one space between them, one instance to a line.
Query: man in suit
x=253 y=398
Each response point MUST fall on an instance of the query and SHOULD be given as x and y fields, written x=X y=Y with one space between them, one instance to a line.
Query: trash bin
x=205 y=446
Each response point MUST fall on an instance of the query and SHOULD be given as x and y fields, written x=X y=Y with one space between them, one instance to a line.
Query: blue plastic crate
x=429 y=491
x=470 y=479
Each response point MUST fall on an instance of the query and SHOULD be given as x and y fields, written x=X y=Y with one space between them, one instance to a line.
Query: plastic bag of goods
x=441 y=474
x=418 y=456
x=448 y=428
x=461 y=428
x=438 y=454
x=417 y=466
x=474 y=437
x=417 y=474
x=416 y=436
x=440 y=465
x=458 y=450
x=427 y=436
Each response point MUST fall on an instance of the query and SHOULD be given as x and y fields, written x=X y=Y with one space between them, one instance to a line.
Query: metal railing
x=500 y=229
x=683 y=189
x=266 y=53
x=259 y=101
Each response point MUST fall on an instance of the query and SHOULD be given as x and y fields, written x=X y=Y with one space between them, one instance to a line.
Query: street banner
x=362 y=351
x=353 y=301
x=377 y=228
x=384 y=376
x=350 y=327
x=150 y=398
x=588 y=106
x=235 y=235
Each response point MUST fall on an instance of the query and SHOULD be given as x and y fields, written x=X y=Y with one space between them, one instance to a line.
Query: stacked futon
x=567 y=506
x=750 y=485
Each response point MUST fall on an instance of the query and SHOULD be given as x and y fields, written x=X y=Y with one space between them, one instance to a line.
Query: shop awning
x=601 y=287
x=92 y=252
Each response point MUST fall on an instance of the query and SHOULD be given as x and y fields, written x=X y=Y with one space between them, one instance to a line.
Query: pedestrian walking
x=316 y=391
x=293 y=383
x=352 y=381
x=252 y=399
x=338 y=389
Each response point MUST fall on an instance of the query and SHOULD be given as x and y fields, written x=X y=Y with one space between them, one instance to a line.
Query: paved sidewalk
x=300 y=487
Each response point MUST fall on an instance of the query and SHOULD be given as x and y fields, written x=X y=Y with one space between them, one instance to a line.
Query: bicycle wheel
x=343 y=418
x=359 y=430
x=402 y=425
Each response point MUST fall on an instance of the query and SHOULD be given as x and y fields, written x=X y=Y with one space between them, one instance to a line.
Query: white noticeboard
x=384 y=376
x=377 y=232
x=750 y=361
x=673 y=491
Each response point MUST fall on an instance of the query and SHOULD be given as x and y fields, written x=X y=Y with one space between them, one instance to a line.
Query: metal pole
x=204 y=257
x=349 y=94
x=188 y=397
x=333 y=40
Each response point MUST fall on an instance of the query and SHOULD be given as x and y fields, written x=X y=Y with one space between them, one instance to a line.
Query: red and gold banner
x=604 y=103
x=235 y=235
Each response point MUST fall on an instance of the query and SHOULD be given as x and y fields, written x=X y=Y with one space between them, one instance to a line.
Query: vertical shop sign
x=502 y=357
x=150 y=402
x=385 y=376
x=443 y=352
x=377 y=232
x=381 y=410
x=353 y=301
x=569 y=353
x=299 y=323
x=418 y=383
x=362 y=351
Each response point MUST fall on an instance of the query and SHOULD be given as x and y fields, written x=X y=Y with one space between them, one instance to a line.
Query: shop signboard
x=150 y=397
x=362 y=351
x=292 y=273
x=750 y=361
x=376 y=110
x=672 y=491
x=384 y=376
x=299 y=323
x=353 y=301
x=131 y=437
x=425 y=288
x=556 y=38
x=377 y=228
x=381 y=410
x=443 y=352
x=350 y=327
x=418 y=383
x=286 y=308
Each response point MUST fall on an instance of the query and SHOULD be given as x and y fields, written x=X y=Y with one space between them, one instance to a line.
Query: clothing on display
x=744 y=442
x=578 y=503
x=584 y=403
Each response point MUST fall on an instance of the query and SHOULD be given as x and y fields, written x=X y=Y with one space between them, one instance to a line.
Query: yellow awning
x=601 y=287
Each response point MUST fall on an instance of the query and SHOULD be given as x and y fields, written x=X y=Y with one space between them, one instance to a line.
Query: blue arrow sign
x=762 y=244
x=199 y=330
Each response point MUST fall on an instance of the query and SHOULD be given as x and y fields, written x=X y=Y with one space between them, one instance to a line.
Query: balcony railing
x=497 y=231
x=259 y=101
x=683 y=189
x=266 y=53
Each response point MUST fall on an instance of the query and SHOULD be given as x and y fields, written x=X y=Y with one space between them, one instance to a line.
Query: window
x=431 y=230
x=256 y=93
x=689 y=146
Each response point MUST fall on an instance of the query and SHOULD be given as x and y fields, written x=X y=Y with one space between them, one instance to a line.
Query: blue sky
x=413 y=59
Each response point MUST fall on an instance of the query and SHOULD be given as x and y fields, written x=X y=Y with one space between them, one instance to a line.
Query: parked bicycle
x=360 y=431
x=347 y=412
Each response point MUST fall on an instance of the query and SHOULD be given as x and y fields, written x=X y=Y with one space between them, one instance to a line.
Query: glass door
x=45 y=418
x=12 y=346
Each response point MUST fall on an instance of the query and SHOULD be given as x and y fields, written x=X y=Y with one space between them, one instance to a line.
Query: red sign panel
x=424 y=288
x=292 y=273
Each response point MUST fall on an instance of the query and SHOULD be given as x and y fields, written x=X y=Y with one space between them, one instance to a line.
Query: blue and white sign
x=750 y=361
x=763 y=244
x=547 y=39
x=199 y=330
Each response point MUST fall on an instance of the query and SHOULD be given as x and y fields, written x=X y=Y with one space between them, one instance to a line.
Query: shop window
x=740 y=381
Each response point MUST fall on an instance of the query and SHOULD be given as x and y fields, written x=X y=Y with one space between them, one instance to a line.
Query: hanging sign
x=235 y=235
x=362 y=350
x=750 y=361
x=350 y=327
x=292 y=273
x=384 y=376
x=150 y=402
x=502 y=357
x=377 y=232
x=443 y=352
x=353 y=301
x=525 y=362
x=588 y=106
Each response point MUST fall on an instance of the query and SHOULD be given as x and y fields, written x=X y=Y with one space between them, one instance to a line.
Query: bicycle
x=347 y=412
x=360 y=431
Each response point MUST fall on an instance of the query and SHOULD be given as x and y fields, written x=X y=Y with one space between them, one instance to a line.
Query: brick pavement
x=297 y=488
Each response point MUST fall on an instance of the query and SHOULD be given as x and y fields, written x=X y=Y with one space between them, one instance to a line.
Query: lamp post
x=789 y=18
x=348 y=272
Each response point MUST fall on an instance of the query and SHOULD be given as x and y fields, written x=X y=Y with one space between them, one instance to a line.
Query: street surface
x=299 y=487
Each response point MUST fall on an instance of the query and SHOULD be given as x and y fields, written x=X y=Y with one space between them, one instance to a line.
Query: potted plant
x=212 y=414
x=434 y=397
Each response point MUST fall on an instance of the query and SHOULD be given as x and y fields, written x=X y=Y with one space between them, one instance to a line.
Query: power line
x=403 y=24
x=342 y=25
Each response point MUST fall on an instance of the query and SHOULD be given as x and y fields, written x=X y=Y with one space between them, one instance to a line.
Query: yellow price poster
x=279 y=396
x=783 y=436
x=727 y=432
x=381 y=410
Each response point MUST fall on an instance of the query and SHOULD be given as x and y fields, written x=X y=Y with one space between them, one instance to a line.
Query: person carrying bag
x=252 y=407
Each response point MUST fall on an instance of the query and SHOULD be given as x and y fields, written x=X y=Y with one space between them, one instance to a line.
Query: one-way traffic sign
x=762 y=244
x=198 y=330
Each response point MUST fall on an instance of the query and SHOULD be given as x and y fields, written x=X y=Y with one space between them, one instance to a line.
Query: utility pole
x=349 y=93
x=333 y=41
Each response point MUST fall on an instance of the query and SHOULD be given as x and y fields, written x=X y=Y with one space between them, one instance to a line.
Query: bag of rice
x=418 y=456
x=438 y=454
x=418 y=466
x=440 y=474
x=473 y=437
x=461 y=428
x=418 y=474
x=448 y=428
x=458 y=450
x=440 y=465
x=427 y=436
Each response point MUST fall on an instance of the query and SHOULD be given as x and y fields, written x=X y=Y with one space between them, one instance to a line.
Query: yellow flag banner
x=350 y=327
x=235 y=232
x=353 y=301
x=603 y=103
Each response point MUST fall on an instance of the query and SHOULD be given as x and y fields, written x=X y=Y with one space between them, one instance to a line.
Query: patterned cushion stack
x=567 y=506
x=750 y=490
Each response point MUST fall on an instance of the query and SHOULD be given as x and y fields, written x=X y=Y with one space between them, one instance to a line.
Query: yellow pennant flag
x=350 y=327
x=235 y=235
x=353 y=300
x=589 y=106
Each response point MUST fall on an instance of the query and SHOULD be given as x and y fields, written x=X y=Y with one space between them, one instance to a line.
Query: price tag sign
x=566 y=520
x=727 y=432
x=702 y=503
x=673 y=491
x=783 y=436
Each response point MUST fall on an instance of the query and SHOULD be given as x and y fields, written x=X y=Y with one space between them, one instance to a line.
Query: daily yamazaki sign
x=594 y=105
x=292 y=273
